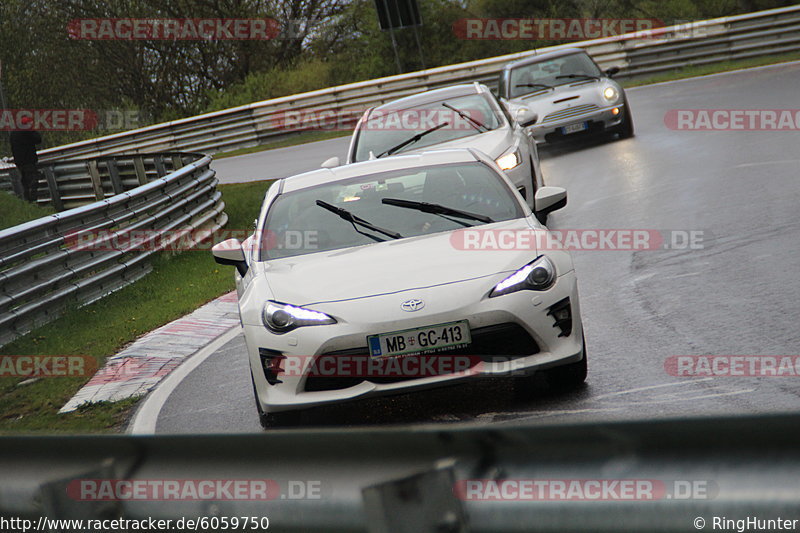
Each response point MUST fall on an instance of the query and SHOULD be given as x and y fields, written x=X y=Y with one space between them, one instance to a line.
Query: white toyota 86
x=365 y=280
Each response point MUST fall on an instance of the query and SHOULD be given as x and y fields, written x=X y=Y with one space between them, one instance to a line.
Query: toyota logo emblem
x=412 y=305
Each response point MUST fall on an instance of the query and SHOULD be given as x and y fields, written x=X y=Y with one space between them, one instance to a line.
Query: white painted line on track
x=146 y=416
x=651 y=387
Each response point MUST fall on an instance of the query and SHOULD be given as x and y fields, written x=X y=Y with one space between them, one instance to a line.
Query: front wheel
x=560 y=378
x=273 y=420
x=626 y=129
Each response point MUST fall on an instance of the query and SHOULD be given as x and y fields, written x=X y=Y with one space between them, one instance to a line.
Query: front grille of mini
x=570 y=112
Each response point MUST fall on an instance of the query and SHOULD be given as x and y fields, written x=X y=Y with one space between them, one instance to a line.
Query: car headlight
x=610 y=94
x=281 y=318
x=537 y=276
x=509 y=161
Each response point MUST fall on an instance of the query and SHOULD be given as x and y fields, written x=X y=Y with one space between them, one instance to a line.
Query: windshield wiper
x=534 y=85
x=576 y=76
x=475 y=123
x=436 y=209
x=410 y=140
x=344 y=214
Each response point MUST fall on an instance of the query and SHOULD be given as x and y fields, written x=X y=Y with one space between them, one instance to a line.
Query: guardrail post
x=177 y=162
x=52 y=185
x=16 y=182
x=113 y=173
x=94 y=175
x=161 y=170
x=141 y=173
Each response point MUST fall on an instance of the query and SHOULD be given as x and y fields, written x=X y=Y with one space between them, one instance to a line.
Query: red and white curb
x=139 y=367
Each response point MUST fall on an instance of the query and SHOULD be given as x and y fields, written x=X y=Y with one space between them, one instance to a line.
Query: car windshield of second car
x=471 y=194
x=551 y=73
x=389 y=128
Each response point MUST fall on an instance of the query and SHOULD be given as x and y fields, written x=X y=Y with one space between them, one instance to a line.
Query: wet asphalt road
x=739 y=294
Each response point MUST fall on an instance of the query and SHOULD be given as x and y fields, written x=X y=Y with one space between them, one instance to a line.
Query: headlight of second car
x=537 y=276
x=509 y=161
x=610 y=94
x=280 y=318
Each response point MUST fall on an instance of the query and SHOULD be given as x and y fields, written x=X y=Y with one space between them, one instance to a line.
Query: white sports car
x=366 y=280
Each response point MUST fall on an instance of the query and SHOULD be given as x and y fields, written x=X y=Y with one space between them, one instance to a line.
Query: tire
x=273 y=420
x=626 y=129
x=571 y=376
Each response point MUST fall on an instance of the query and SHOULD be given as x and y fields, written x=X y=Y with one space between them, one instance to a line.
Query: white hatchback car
x=358 y=283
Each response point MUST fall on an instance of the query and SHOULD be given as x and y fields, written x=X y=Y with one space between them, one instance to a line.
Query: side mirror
x=526 y=117
x=549 y=199
x=230 y=252
x=331 y=162
x=611 y=72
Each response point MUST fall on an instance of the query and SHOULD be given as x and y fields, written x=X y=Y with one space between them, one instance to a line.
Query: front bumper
x=599 y=120
x=526 y=312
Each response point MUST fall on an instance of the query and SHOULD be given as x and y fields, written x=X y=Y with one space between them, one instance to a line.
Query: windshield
x=296 y=224
x=540 y=76
x=388 y=128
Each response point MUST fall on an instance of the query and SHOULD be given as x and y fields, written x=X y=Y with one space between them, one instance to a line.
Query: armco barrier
x=699 y=43
x=398 y=479
x=41 y=274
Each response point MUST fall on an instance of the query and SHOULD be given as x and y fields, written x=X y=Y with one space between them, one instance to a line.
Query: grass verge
x=179 y=284
x=717 y=68
x=15 y=211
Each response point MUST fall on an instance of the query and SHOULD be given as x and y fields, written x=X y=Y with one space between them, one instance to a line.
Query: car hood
x=389 y=267
x=492 y=143
x=564 y=96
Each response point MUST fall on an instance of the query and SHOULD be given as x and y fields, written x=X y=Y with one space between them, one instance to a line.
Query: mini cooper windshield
x=543 y=76
x=434 y=123
x=380 y=207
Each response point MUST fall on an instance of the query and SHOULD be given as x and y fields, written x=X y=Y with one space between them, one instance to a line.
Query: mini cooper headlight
x=537 y=276
x=610 y=94
x=509 y=161
x=280 y=318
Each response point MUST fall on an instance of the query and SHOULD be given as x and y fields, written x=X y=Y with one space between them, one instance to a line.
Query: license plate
x=430 y=339
x=575 y=128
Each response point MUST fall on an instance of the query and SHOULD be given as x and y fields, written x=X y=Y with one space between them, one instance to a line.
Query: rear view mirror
x=331 y=162
x=549 y=199
x=526 y=117
x=230 y=252
x=611 y=72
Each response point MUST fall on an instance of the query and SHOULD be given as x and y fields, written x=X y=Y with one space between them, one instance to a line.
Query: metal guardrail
x=43 y=270
x=699 y=43
x=402 y=479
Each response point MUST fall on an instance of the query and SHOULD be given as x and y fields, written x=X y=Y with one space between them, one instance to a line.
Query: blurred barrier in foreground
x=427 y=479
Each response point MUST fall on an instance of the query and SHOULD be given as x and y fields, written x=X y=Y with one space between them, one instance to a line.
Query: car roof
x=435 y=95
x=375 y=166
x=543 y=57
